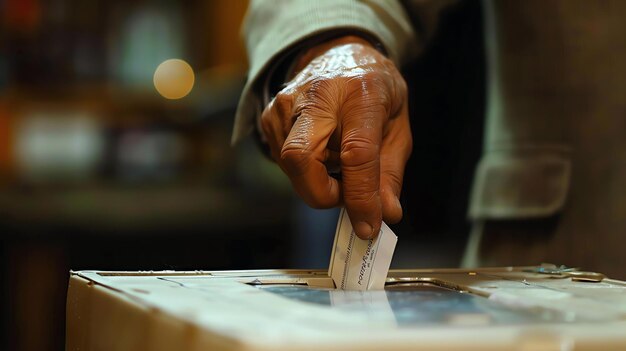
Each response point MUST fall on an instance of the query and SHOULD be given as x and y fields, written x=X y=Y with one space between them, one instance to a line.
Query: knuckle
x=369 y=91
x=320 y=100
x=368 y=80
x=266 y=120
x=369 y=75
x=295 y=157
x=322 y=89
x=360 y=163
x=268 y=110
x=359 y=154
x=401 y=86
x=401 y=93
x=282 y=98
x=283 y=104
x=322 y=82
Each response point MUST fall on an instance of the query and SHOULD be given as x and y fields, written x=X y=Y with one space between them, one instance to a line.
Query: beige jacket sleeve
x=275 y=28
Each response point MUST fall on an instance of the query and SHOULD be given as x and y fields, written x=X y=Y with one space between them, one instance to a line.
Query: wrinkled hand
x=345 y=109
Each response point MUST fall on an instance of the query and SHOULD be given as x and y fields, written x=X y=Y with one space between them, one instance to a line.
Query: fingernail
x=364 y=229
x=398 y=203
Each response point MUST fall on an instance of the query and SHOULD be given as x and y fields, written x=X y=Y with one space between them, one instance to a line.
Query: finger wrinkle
x=324 y=94
x=295 y=159
x=359 y=153
x=359 y=194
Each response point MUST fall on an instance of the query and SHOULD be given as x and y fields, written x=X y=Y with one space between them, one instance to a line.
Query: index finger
x=360 y=166
x=303 y=157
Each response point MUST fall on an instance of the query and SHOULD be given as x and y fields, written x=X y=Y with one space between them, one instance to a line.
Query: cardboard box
x=521 y=308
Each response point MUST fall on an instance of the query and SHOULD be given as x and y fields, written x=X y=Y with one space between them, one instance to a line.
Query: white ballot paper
x=357 y=264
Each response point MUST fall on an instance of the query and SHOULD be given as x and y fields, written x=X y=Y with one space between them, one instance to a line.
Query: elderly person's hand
x=345 y=109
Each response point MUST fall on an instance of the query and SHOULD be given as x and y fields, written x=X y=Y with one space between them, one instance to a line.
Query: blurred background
x=100 y=169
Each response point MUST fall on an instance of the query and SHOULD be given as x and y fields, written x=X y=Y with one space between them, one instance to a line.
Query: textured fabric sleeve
x=275 y=28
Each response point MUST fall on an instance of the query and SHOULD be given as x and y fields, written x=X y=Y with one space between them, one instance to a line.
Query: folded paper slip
x=357 y=264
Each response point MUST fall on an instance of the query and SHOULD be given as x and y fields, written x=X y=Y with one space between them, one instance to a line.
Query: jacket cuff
x=307 y=22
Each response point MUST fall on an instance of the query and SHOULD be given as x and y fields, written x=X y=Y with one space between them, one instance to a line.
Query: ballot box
x=512 y=308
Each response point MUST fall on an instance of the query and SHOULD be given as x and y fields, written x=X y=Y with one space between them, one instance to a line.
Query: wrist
x=309 y=54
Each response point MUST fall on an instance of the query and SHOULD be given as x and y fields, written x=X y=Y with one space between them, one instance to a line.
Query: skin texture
x=345 y=109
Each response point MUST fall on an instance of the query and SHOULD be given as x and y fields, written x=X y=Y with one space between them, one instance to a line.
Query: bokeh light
x=174 y=79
